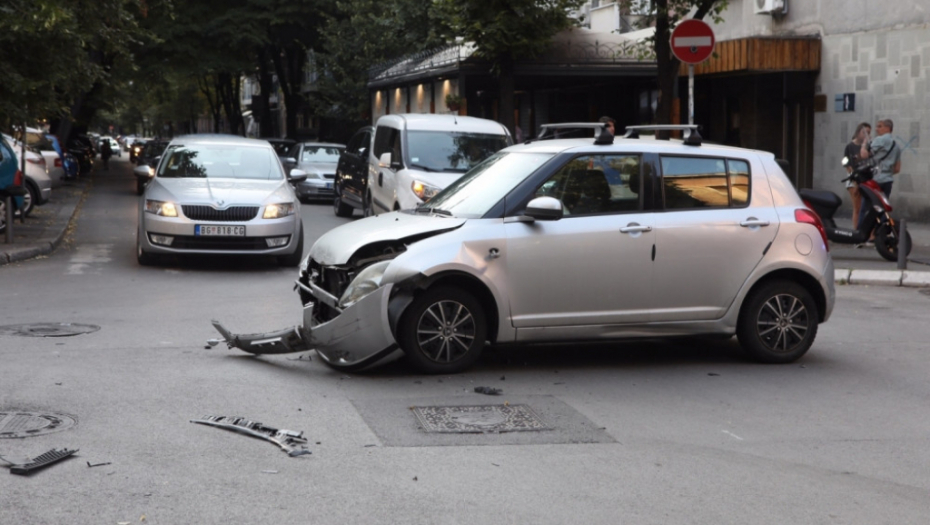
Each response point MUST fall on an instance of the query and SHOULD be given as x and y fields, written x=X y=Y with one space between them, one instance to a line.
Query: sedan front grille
x=231 y=214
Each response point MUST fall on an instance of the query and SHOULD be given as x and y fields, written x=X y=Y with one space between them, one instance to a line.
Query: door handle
x=380 y=178
x=635 y=228
x=753 y=222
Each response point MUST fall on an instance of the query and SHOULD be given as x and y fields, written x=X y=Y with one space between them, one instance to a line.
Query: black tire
x=145 y=258
x=887 y=239
x=443 y=331
x=29 y=199
x=293 y=259
x=778 y=322
x=340 y=208
x=2 y=215
x=140 y=186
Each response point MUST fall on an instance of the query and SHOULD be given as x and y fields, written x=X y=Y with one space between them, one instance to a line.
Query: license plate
x=208 y=230
x=329 y=185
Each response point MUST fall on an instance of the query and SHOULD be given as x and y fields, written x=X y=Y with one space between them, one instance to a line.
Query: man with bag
x=886 y=154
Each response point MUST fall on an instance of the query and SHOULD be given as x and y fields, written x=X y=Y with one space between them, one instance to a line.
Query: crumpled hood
x=336 y=246
x=219 y=192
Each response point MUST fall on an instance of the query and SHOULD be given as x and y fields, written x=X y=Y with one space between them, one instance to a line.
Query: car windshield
x=221 y=161
x=476 y=192
x=444 y=151
x=320 y=154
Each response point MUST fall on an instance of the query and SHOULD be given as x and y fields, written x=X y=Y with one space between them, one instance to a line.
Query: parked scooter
x=875 y=206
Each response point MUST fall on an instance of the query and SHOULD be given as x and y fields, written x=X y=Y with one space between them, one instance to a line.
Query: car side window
x=387 y=140
x=365 y=144
x=353 y=145
x=704 y=182
x=596 y=184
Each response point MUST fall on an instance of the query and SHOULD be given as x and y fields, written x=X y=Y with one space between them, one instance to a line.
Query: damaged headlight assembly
x=367 y=281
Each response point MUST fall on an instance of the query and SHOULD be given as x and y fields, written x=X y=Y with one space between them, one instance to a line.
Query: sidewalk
x=48 y=225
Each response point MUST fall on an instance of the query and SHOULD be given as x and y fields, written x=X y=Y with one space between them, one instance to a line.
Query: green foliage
x=506 y=29
x=677 y=10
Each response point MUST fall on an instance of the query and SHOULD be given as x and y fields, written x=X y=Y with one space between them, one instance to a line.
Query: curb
x=908 y=278
x=61 y=223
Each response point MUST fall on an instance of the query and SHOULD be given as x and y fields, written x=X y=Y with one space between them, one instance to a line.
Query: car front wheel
x=340 y=208
x=443 y=331
x=778 y=322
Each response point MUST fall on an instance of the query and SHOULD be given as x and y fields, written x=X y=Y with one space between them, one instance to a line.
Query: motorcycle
x=875 y=206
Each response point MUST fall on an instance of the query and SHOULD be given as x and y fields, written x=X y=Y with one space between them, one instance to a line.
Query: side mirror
x=545 y=209
x=144 y=171
x=297 y=175
x=290 y=161
x=385 y=160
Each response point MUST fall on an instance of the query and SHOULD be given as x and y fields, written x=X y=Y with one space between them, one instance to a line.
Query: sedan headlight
x=277 y=211
x=364 y=283
x=165 y=209
x=424 y=191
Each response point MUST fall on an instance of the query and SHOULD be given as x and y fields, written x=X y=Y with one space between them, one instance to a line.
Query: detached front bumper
x=358 y=337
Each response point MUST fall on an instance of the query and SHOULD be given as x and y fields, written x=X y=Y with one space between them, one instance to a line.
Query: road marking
x=727 y=432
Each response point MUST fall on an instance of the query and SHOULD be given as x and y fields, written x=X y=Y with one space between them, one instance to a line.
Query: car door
x=710 y=236
x=381 y=179
x=352 y=170
x=593 y=266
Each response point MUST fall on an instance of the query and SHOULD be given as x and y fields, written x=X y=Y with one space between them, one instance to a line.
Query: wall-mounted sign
x=844 y=102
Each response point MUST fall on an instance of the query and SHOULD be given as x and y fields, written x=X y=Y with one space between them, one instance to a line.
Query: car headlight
x=165 y=209
x=364 y=283
x=424 y=191
x=277 y=211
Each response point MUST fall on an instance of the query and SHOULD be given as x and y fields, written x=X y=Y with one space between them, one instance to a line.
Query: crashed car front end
x=349 y=308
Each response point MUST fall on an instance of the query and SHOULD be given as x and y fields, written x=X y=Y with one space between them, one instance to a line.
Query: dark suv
x=352 y=174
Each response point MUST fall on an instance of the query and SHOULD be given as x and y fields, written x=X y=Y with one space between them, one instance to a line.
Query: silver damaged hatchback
x=571 y=240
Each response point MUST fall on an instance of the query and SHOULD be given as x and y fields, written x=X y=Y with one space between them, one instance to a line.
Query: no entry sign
x=692 y=41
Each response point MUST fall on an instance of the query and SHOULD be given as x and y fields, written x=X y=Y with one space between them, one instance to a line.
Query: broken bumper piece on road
x=290 y=441
x=357 y=338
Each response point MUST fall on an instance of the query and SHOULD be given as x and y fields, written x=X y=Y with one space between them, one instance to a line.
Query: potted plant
x=453 y=102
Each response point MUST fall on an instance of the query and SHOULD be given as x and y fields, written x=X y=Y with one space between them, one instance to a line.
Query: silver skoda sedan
x=571 y=240
x=217 y=194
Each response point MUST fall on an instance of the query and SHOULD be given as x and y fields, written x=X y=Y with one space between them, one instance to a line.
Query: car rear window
x=704 y=182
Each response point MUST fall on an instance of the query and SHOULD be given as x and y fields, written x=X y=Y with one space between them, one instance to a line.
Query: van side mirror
x=385 y=160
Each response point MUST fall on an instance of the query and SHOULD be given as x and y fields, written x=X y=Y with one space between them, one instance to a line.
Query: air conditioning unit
x=771 y=7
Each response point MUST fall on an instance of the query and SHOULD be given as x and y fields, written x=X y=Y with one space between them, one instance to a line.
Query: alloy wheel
x=446 y=331
x=783 y=323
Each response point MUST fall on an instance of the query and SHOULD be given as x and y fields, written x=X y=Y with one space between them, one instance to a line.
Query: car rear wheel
x=778 y=322
x=30 y=198
x=340 y=208
x=443 y=331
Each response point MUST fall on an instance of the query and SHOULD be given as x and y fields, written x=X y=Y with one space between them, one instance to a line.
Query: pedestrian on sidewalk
x=851 y=153
x=886 y=154
x=105 y=153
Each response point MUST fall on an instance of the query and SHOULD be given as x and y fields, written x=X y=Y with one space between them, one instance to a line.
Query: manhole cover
x=16 y=424
x=48 y=329
x=479 y=419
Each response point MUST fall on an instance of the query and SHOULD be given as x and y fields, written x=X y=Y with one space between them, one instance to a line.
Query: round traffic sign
x=692 y=41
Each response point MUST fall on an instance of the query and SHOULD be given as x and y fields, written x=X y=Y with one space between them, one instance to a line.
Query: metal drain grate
x=479 y=419
x=19 y=424
x=48 y=329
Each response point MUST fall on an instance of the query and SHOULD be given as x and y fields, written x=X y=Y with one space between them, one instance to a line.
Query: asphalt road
x=649 y=432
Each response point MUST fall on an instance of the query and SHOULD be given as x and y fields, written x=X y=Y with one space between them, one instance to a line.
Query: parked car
x=54 y=163
x=350 y=185
x=219 y=194
x=572 y=240
x=318 y=160
x=281 y=147
x=37 y=181
x=415 y=156
x=81 y=147
x=147 y=161
x=10 y=180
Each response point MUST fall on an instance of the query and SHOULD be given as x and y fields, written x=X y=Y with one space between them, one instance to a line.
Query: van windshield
x=445 y=151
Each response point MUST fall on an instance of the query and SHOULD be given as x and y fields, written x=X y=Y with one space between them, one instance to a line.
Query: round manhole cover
x=48 y=329
x=20 y=424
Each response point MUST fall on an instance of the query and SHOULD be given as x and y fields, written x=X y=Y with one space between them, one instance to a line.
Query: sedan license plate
x=329 y=185
x=209 y=230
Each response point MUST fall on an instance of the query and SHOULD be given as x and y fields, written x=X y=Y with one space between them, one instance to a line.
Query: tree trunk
x=507 y=93
x=667 y=66
x=266 y=86
x=289 y=68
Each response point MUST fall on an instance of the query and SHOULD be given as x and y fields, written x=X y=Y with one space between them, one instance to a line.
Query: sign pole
x=690 y=94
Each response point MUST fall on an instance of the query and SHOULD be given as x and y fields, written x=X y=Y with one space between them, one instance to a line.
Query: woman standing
x=851 y=152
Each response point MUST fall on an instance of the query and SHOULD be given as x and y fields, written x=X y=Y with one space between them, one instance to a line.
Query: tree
x=506 y=31
x=665 y=14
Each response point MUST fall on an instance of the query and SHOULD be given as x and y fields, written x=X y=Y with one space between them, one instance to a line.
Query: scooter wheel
x=887 y=241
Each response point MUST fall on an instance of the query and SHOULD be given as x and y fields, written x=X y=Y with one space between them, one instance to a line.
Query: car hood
x=219 y=192
x=338 y=245
x=318 y=167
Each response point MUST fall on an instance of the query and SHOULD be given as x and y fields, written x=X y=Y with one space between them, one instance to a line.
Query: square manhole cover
x=478 y=419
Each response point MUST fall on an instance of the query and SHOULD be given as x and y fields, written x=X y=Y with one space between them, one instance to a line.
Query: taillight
x=18 y=178
x=35 y=161
x=807 y=216
x=58 y=163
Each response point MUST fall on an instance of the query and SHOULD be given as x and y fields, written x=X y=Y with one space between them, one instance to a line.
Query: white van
x=415 y=156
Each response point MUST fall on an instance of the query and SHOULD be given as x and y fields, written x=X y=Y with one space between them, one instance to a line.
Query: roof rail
x=571 y=130
x=692 y=137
